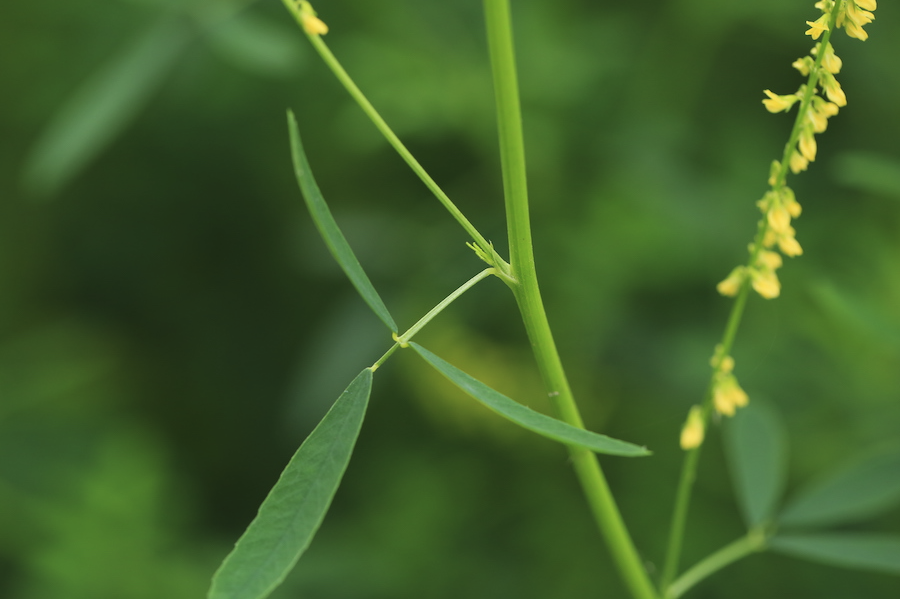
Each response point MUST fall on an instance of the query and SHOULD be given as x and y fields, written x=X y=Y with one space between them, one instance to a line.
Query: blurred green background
x=171 y=326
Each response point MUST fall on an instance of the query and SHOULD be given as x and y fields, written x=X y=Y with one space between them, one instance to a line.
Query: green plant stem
x=404 y=339
x=385 y=130
x=689 y=468
x=754 y=541
x=408 y=335
x=692 y=458
x=527 y=293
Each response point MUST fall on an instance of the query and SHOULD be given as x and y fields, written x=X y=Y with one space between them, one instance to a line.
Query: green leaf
x=864 y=489
x=757 y=451
x=329 y=230
x=102 y=107
x=850 y=550
x=296 y=505
x=258 y=44
x=870 y=172
x=528 y=418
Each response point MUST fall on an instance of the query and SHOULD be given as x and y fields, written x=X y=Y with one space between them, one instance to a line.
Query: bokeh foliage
x=171 y=326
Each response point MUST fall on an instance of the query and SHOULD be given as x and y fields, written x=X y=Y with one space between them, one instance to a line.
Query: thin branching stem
x=338 y=70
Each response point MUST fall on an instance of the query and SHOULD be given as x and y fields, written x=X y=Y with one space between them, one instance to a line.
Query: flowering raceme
x=819 y=99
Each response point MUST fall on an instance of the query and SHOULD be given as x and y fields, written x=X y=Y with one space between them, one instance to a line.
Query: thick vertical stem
x=512 y=152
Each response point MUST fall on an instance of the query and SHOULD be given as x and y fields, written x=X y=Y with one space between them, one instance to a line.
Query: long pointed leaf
x=862 y=490
x=851 y=550
x=757 y=454
x=528 y=418
x=296 y=505
x=329 y=230
x=103 y=106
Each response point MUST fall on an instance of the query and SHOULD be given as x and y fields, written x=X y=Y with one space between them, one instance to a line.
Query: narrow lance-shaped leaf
x=528 y=418
x=757 y=454
x=865 y=489
x=296 y=505
x=103 y=106
x=329 y=230
x=862 y=551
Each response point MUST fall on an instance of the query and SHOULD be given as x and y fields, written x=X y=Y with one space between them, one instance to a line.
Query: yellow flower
x=313 y=25
x=831 y=61
x=866 y=4
x=808 y=145
x=798 y=162
x=773 y=172
x=693 y=431
x=854 y=30
x=776 y=103
x=765 y=282
x=724 y=364
x=789 y=201
x=779 y=219
x=788 y=245
x=770 y=260
x=817 y=27
x=818 y=120
x=732 y=283
x=803 y=65
x=728 y=395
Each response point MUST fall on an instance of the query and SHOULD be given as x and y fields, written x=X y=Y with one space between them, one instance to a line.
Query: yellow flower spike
x=798 y=162
x=776 y=103
x=732 y=283
x=693 y=431
x=808 y=145
x=817 y=27
x=765 y=282
x=779 y=219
